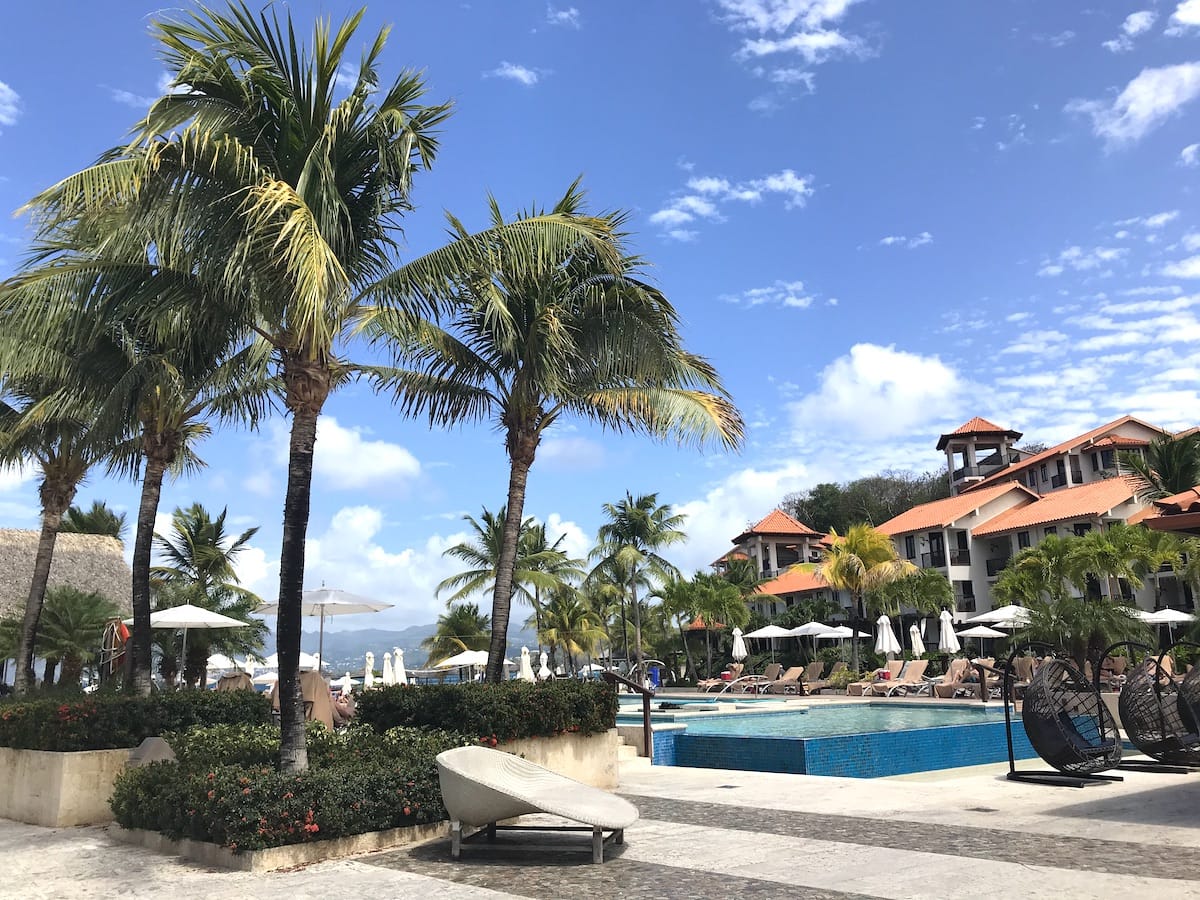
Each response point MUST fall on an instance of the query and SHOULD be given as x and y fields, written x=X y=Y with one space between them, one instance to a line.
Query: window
x=1022 y=540
x=1081 y=528
x=1045 y=477
x=1033 y=479
x=1050 y=529
x=910 y=547
x=1108 y=458
x=1095 y=462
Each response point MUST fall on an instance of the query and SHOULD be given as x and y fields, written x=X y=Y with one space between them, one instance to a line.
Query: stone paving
x=711 y=833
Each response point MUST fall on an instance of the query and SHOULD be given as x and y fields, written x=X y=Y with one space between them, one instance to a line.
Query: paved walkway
x=712 y=833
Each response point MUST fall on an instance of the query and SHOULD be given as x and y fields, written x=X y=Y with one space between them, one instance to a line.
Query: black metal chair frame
x=1051 y=777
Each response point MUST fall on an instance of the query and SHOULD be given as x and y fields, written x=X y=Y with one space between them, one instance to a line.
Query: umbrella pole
x=321 y=642
x=183 y=659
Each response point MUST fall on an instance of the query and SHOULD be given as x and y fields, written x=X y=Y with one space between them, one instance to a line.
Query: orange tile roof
x=778 y=522
x=1187 y=501
x=1115 y=440
x=731 y=555
x=1088 y=501
x=1008 y=473
x=941 y=513
x=976 y=425
x=794 y=581
x=697 y=624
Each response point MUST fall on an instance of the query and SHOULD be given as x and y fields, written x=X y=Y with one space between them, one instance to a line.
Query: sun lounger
x=482 y=787
x=858 y=688
x=953 y=682
x=709 y=684
x=792 y=682
x=815 y=687
x=910 y=680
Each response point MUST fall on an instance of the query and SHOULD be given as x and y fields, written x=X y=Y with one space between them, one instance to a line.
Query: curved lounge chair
x=1157 y=714
x=481 y=787
x=1066 y=721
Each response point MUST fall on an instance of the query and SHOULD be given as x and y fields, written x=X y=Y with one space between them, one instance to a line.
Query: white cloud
x=129 y=98
x=779 y=16
x=14 y=477
x=1081 y=260
x=568 y=17
x=1158 y=220
x=1151 y=98
x=1134 y=24
x=514 y=72
x=788 y=294
x=814 y=47
x=1191 y=241
x=1015 y=135
x=1055 y=40
x=899 y=240
x=1190 y=155
x=346 y=458
x=706 y=194
x=1183 y=268
x=571 y=453
x=10 y=105
x=878 y=392
x=1186 y=15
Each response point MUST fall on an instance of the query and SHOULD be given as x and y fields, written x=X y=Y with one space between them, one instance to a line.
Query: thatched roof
x=90 y=562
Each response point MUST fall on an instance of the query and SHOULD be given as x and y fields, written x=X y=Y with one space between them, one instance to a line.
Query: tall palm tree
x=198 y=551
x=462 y=627
x=1163 y=550
x=98 y=519
x=679 y=601
x=861 y=560
x=718 y=602
x=1170 y=465
x=73 y=623
x=576 y=333
x=1117 y=553
x=41 y=422
x=927 y=591
x=570 y=624
x=635 y=531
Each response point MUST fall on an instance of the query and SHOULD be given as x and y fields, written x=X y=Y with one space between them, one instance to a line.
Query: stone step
x=625 y=751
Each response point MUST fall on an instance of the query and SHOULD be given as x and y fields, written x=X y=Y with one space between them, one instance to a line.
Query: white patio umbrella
x=369 y=671
x=739 y=646
x=914 y=637
x=840 y=633
x=1005 y=617
x=388 y=677
x=544 y=672
x=398 y=672
x=1168 y=617
x=220 y=662
x=464 y=659
x=325 y=602
x=266 y=678
x=947 y=639
x=769 y=632
x=981 y=631
x=345 y=684
x=809 y=628
x=885 y=638
x=188 y=617
x=250 y=665
x=307 y=661
x=525 y=673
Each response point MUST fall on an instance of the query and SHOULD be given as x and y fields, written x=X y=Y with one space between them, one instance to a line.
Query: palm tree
x=1081 y=626
x=717 y=603
x=10 y=637
x=927 y=591
x=570 y=624
x=462 y=627
x=228 y=600
x=1119 y=552
x=198 y=551
x=1170 y=465
x=41 y=423
x=99 y=519
x=679 y=600
x=860 y=561
x=1162 y=550
x=1045 y=570
x=73 y=623
x=635 y=530
x=574 y=333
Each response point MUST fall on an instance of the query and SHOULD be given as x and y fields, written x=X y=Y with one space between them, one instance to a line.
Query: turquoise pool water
x=856 y=718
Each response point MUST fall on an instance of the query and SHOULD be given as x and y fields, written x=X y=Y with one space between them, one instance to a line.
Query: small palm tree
x=571 y=625
x=1170 y=465
x=1163 y=550
x=1047 y=570
x=198 y=551
x=860 y=561
x=1083 y=627
x=99 y=519
x=679 y=601
x=717 y=603
x=203 y=642
x=72 y=627
x=927 y=591
x=462 y=627
x=1117 y=553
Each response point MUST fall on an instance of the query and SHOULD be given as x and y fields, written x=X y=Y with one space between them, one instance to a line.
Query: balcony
x=933 y=560
x=964 y=603
x=1058 y=481
x=996 y=564
x=960 y=557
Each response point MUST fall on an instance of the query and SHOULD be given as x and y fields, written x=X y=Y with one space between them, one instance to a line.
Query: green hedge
x=494 y=712
x=111 y=721
x=224 y=788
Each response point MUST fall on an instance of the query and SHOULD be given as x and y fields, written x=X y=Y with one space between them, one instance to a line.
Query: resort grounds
x=952 y=833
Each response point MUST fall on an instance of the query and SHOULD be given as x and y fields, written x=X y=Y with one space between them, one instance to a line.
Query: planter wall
x=58 y=789
x=591 y=758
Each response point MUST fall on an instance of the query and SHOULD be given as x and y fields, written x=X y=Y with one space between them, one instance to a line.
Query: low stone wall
x=58 y=789
x=590 y=758
x=274 y=858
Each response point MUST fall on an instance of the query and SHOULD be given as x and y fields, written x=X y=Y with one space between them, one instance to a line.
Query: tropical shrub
x=499 y=712
x=108 y=721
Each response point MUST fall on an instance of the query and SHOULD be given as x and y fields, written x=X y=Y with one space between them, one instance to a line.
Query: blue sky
x=878 y=219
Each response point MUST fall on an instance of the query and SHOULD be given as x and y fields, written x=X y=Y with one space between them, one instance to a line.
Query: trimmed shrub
x=112 y=721
x=494 y=712
x=358 y=781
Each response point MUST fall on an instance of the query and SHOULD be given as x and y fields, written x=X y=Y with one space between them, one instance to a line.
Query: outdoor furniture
x=910 y=679
x=707 y=684
x=952 y=681
x=792 y=682
x=1158 y=715
x=481 y=787
x=858 y=688
x=239 y=681
x=1066 y=721
x=816 y=686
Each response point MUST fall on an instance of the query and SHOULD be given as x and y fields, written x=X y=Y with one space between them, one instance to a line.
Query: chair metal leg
x=491 y=831
x=597 y=845
x=619 y=836
x=455 y=840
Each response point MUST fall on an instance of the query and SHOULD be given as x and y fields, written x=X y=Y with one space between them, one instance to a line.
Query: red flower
x=211 y=794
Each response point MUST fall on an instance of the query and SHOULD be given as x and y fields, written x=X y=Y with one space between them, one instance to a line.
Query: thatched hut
x=89 y=562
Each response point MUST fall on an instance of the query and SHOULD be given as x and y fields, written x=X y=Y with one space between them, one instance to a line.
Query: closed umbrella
x=325 y=602
x=187 y=617
x=885 y=639
x=346 y=684
x=398 y=672
x=947 y=639
x=388 y=677
x=739 y=646
x=369 y=672
x=918 y=645
x=525 y=673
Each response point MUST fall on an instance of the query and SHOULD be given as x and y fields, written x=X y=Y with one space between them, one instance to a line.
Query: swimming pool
x=856 y=740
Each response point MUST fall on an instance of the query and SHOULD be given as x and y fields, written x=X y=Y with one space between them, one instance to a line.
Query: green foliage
x=1170 y=465
x=463 y=627
x=99 y=519
x=839 y=680
x=71 y=629
x=110 y=721
x=1082 y=626
x=494 y=712
x=873 y=499
x=926 y=591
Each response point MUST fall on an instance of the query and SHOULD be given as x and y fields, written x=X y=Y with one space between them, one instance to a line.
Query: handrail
x=647 y=734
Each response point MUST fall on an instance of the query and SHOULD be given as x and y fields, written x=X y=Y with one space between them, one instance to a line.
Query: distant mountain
x=345 y=650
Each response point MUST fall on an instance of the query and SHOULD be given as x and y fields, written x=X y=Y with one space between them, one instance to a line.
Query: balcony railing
x=964 y=604
x=1058 y=481
x=996 y=564
x=933 y=560
x=960 y=557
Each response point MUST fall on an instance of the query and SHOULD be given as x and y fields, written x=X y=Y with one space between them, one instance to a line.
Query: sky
x=877 y=219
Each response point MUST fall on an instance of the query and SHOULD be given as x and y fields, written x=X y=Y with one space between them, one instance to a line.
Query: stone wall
x=591 y=758
x=89 y=562
x=58 y=789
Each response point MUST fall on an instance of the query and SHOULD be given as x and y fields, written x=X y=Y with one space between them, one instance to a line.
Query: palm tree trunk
x=72 y=669
x=708 y=650
x=307 y=389
x=637 y=630
x=687 y=651
x=858 y=615
x=48 y=674
x=142 y=543
x=521 y=453
x=52 y=513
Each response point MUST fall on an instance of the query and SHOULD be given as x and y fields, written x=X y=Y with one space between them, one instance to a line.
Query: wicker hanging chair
x=1066 y=721
x=1189 y=701
x=1155 y=715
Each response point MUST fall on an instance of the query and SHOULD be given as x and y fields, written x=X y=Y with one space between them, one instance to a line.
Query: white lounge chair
x=481 y=787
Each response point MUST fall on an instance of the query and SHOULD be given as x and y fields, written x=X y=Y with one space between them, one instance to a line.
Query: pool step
x=626 y=752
